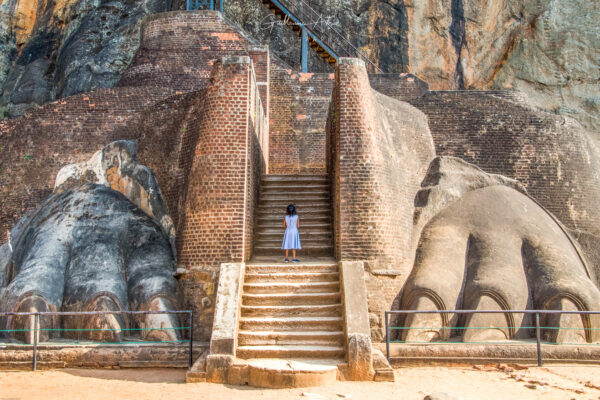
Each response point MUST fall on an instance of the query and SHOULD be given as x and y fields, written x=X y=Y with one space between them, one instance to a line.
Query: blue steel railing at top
x=195 y=5
x=537 y=325
x=312 y=24
x=322 y=31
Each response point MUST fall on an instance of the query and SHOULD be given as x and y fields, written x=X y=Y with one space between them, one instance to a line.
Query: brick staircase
x=310 y=195
x=291 y=311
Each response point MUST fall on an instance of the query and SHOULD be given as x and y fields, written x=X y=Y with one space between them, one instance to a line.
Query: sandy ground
x=503 y=382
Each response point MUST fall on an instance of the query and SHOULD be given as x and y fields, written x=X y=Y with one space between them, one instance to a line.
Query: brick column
x=213 y=223
x=380 y=149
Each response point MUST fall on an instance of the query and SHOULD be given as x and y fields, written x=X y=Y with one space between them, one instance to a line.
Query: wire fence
x=452 y=333
x=133 y=331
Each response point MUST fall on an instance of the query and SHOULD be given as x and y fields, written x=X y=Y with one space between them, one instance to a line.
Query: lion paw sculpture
x=101 y=242
x=485 y=245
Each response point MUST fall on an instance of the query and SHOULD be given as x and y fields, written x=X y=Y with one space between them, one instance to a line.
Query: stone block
x=357 y=328
x=217 y=367
x=227 y=309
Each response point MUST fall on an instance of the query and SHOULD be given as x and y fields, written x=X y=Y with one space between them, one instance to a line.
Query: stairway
x=291 y=311
x=310 y=195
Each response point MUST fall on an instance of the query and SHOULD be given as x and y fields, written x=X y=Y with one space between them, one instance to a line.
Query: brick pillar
x=380 y=150
x=353 y=180
x=213 y=224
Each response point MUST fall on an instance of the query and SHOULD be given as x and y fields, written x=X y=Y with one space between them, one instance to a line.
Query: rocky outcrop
x=548 y=50
x=55 y=49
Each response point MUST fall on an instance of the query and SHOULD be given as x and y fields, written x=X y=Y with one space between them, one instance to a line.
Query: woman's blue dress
x=291 y=237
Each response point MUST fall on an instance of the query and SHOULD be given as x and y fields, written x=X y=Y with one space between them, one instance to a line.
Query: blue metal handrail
x=313 y=27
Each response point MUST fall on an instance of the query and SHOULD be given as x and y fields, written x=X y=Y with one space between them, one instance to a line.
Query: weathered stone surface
x=496 y=249
x=117 y=167
x=130 y=355
x=56 y=49
x=227 y=309
x=549 y=50
x=356 y=319
x=89 y=248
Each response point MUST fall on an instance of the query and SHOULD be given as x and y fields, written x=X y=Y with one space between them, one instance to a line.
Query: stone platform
x=522 y=352
x=99 y=355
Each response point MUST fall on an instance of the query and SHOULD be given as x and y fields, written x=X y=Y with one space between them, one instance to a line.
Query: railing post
x=221 y=6
x=537 y=338
x=191 y=349
x=212 y=5
x=387 y=337
x=304 y=59
x=35 y=339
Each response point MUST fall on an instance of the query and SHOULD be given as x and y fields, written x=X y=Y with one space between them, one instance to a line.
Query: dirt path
x=505 y=382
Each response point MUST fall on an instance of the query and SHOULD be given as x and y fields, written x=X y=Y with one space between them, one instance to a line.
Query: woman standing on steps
x=291 y=237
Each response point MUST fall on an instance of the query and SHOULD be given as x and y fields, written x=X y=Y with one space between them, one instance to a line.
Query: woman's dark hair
x=291 y=210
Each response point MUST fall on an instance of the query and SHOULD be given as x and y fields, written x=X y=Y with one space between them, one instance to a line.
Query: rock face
x=89 y=247
x=549 y=50
x=491 y=247
x=55 y=49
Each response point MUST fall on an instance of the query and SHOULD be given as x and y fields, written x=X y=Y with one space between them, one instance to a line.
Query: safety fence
x=130 y=334
x=395 y=334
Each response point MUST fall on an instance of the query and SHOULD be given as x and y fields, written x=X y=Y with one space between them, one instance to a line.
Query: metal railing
x=37 y=329
x=321 y=30
x=318 y=28
x=538 y=327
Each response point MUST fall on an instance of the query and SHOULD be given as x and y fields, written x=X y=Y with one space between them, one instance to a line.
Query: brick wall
x=549 y=154
x=380 y=150
x=298 y=114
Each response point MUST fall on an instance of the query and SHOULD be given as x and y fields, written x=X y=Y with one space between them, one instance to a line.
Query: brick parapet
x=178 y=49
x=401 y=86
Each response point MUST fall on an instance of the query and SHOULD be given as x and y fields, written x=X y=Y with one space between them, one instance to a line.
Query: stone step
x=323 y=310
x=290 y=277
x=291 y=288
x=295 y=188
x=318 y=208
x=291 y=324
x=292 y=373
x=290 y=267
x=301 y=200
x=310 y=237
x=306 y=240
x=276 y=219
x=277 y=179
x=280 y=205
x=304 y=224
x=307 y=250
x=283 y=351
x=328 y=338
x=281 y=299
x=308 y=230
